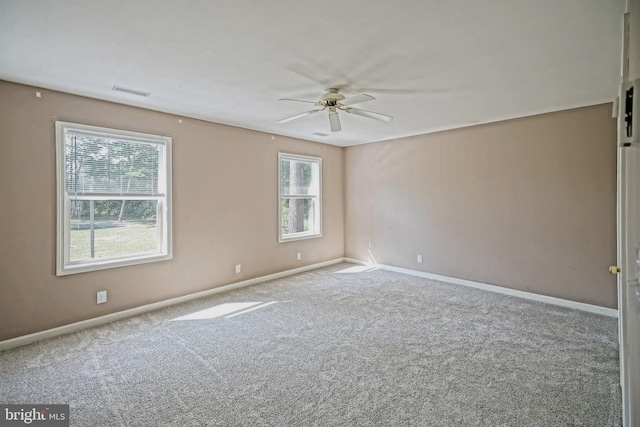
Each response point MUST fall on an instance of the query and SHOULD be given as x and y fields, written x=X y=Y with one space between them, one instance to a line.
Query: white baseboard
x=49 y=333
x=498 y=289
x=61 y=330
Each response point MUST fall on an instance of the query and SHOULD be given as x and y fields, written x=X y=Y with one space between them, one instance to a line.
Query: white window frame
x=317 y=214
x=64 y=265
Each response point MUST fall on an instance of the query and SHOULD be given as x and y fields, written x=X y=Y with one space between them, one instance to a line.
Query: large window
x=300 y=197
x=114 y=198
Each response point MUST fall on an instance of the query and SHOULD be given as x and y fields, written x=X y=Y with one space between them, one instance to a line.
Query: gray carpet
x=332 y=349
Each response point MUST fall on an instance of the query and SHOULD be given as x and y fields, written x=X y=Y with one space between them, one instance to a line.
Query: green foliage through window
x=113 y=197
x=300 y=179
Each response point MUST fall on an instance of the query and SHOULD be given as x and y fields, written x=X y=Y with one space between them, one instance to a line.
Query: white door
x=629 y=229
x=628 y=301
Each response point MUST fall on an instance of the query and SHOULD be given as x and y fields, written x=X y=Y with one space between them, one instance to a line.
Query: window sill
x=300 y=236
x=114 y=263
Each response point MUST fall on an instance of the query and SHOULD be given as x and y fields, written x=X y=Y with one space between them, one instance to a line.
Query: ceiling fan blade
x=298 y=116
x=395 y=91
x=369 y=114
x=357 y=99
x=334 y=121
x=299 y=100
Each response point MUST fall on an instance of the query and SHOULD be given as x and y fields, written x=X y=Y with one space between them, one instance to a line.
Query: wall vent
x=131 y=91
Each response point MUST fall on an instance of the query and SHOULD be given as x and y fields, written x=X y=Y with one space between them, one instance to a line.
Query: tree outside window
x=113 y=198
x=300 y=183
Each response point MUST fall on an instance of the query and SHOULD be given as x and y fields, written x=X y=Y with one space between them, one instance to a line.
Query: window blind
x=96 y=165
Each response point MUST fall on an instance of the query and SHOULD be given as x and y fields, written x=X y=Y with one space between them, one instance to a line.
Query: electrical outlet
x=419 y=258
x=101 y=297
x=299 y=256
x=238 y=268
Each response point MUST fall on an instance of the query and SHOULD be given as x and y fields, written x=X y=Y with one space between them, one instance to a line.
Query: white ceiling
x=432 y=64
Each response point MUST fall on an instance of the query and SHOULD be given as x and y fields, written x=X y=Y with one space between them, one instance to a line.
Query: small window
x=114 y=198
x=300 y=197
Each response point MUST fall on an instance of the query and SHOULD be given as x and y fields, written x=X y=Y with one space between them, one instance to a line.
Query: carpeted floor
x=332 y=347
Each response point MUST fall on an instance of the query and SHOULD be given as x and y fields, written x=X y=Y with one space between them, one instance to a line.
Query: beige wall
x=528 y=204
x=224 y=210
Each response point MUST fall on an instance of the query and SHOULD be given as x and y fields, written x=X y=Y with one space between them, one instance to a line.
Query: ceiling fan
x=334 y=101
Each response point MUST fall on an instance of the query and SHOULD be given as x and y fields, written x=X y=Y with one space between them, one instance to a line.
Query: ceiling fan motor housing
x=331 y=98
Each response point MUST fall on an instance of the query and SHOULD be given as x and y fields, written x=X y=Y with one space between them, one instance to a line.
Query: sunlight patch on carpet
x=218 y=311
x=357 y=269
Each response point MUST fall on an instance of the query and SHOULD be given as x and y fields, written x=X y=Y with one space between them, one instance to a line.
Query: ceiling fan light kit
x=333 y=101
